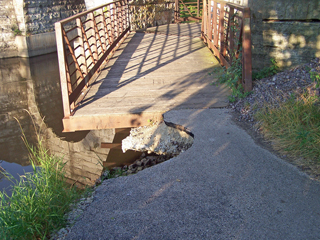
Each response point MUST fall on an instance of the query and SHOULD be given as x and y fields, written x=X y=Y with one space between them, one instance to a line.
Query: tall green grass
x=39 y=200
x=294 y=126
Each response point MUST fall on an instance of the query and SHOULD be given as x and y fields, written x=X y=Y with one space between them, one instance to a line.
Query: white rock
x=159 y=138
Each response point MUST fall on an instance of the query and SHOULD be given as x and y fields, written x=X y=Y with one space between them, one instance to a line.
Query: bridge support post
x=246 y=57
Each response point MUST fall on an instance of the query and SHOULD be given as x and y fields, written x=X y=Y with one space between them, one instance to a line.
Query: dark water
x=23 y=81
x=32 y=84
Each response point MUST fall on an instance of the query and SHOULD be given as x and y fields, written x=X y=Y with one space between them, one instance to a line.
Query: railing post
x=62 y=69
x=128 y=14
x=214 y=25
x=231 y=33
x=209 y=18
x=221 y=27
x=246 y=46
x=176 y=10
x=198 y=8
x=202 y=22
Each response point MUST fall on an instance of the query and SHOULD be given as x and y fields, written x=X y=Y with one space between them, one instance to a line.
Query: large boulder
x=158 y=138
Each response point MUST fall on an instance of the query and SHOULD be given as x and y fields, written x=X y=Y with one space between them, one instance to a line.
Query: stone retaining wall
x=40 y=15
x=7 y=21
x=287 y=30
x=27 y=26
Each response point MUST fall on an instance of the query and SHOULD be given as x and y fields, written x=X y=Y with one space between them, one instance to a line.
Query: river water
x=33 y=84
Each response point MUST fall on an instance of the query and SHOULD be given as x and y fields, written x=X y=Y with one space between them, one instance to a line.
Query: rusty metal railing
x=84 y=42
x=226 y=30
x=187 y=10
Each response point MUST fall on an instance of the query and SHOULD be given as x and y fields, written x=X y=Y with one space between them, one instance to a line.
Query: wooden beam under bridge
x=95 y=122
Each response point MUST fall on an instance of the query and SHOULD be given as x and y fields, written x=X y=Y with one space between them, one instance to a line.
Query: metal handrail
x=84 y=42
x=226 y=30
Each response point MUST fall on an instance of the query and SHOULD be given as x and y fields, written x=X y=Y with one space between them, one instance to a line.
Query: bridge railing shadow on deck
x=88 y=39
x=168 y=49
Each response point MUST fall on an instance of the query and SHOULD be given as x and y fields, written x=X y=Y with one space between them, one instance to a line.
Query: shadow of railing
x=151 y=52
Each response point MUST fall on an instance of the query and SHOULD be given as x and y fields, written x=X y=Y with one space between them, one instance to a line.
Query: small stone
x=106 y=173
x=152 y=158
x=148 y=162
x=132 y=166
x=62 y=232
x=139 y=168
x=138 y=163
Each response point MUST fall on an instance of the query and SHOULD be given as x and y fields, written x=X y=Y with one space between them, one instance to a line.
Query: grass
x=272 y=69
x=233 y=75
x=39 y=200
x=232 y=78
x=294 y=126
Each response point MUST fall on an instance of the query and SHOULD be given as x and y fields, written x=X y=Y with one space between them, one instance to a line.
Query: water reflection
x=14 y=75
x=14 y=170
x=33 y=84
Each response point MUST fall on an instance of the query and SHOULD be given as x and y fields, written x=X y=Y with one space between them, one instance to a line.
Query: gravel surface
x=272 y=91
x=276 y=89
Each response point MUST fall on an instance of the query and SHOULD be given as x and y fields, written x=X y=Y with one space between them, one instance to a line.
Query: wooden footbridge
x=112 y=77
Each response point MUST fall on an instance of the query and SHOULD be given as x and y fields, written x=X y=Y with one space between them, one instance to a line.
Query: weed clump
x=232 y=78
x=39 y=200
x=267 y=71
x=293 y=126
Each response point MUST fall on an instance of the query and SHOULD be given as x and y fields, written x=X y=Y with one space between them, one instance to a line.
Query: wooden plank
x=72 y=123
x=111 y=145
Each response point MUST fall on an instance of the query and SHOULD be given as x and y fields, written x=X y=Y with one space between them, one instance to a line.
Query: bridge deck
x=164 y=68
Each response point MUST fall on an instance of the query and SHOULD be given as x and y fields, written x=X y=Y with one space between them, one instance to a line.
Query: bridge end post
x=247 y=57
x=62 y=69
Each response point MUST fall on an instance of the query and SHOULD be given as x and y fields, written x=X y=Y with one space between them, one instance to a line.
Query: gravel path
x=276 y=89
